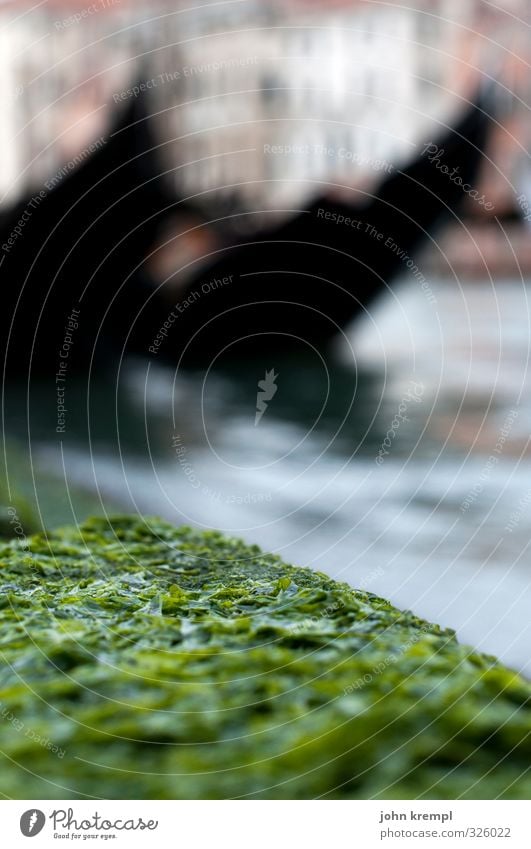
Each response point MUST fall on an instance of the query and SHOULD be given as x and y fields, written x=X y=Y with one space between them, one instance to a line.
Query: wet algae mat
x=144 y=661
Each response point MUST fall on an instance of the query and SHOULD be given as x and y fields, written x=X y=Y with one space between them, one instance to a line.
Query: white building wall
x=240 y=76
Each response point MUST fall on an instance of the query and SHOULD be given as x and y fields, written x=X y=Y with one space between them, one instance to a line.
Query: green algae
x=33 y=497
x=144 y=661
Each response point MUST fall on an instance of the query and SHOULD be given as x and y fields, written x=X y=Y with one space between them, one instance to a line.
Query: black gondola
x=82 y=246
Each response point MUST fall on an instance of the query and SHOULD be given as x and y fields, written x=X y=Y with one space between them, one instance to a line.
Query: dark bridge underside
x=83 y=245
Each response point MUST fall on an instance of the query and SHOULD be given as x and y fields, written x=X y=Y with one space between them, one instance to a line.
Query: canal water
x=399 y=462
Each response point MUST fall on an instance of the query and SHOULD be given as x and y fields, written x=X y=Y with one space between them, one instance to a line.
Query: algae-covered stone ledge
x=144 y=661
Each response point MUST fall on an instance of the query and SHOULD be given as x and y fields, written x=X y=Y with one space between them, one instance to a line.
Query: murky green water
x=399 y=463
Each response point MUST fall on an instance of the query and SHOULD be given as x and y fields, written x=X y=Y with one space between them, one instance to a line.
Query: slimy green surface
x=139 y=660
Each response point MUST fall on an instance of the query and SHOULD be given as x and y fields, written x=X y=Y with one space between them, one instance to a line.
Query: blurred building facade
x=257 y=102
